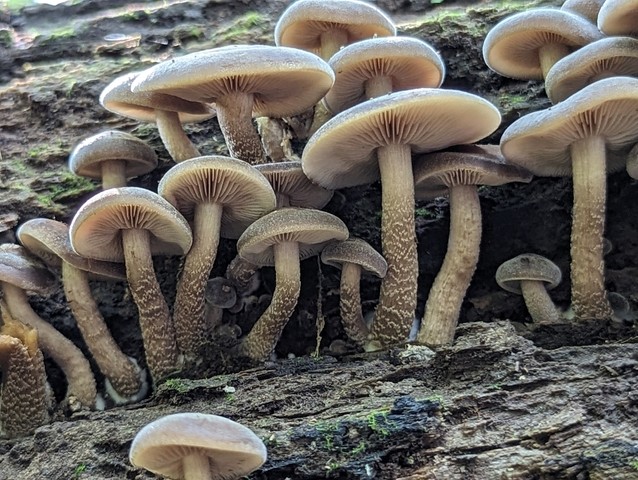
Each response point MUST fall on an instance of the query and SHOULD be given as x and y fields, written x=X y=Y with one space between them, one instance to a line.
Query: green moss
x=244 y=29
x=176 y=384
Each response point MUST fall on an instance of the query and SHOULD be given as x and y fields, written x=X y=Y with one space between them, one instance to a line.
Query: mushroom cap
x=435 y=172
x=619 y=17
x=244 y=193
x=408 y=62
x=528 y=266
x=95 y=231
x=87 y=157
x=221 y=292
x=511 y=47
x=287 y=178
x=19 y=268
x=585 y=8
x=118 y=98
x=233 y=450
x=356 y=251
x=283 y=81
x=540 y=141
x=49 y=240
x=342 y=153
x=312 y=229
x=304 y=21
x=632 y=162
x=607 y=57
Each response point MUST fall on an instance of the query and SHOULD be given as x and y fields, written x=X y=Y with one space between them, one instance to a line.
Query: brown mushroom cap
x=619 y=17
x=355 y=251
x=95 y=229
x=230 y=449
x=512 y=47
x=528 y=266
x=607 y=57
x=585 y=8
x=406 y=63
x=19 y=268
x=304 y=22
x=293 y=187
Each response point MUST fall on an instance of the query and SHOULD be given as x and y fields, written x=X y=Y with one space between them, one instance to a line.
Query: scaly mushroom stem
x=113 y=174
x=158 y=333
x=81 y=382
x=444 y=302
x=378 y=86
x=589 y=297
x=539 y=304
x=263 y=337
x=119 y=370
x=350 y=303
x=551 y=53
x=234 y=114
x=196 y=467
x=188 y=313
x=397 y=299
x=177 y=143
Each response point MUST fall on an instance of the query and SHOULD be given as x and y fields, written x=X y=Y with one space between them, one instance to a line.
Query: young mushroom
x=531 y=275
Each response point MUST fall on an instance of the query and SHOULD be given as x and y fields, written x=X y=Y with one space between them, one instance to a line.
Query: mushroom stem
x=262 y=338
x=196 y=467
x=118 y=369
x=539 y=304
x=397 y=298
x=234 y=114
x=450 y=285
x=80 y=381
x=189 y=310
x=551 y=53
x=378 y=86
x=158 y=333
x=331 y=42
x=113 y=174
x=589 y=297
x=173 y=137
x=350 y=303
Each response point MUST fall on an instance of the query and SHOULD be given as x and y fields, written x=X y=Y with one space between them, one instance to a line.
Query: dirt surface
x=507 y=400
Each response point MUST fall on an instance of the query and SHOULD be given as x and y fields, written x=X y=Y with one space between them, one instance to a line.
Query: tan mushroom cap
x=49 y=240
x=619 y=17
x=232 y=449
x=435 y=172
x=342 y=152
x=407 y=63
x=288 y=180
x=19 y=268
x=540 y=141
x=283 y=81
x=312 y=229
x=87 y=157
x=95 y=229
x=528 y=266
x=512 y=47
x=304 y=21
x=118 y=98
x=355 y=251
x=607 y=57
x=585 y=8
x=244 y=193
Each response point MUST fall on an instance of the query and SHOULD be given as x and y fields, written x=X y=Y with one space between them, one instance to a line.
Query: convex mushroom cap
x=292 y=187
x=619 y=17
x=585 y=8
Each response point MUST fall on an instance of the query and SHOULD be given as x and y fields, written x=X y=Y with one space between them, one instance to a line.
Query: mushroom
x=49 y=240
x=632 y=162
x=354 y=257
x=242 y=81
x=19 y=273
x=197 y=446
x=531 y=275
x=458 y=172
x=131 y=224
x=222 y=196
x=527 y=44
x=282 y=239
x=619 y=17
x=113 y=157
x=375 y=139
x=585 y=8
x=168 y=112
x=586 y=135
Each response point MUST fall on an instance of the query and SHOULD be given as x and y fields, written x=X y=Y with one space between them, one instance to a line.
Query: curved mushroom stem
x=350 y=303
x=113 y=174
x=263 y=337
x=189 y=310
x=551 y=53
x=589 y=297
x=173 y=137
x=450 y=285
x=397 y=299
x=158 y=333
x=81 y=382
x=196 y=467
x=539 y=304
x=234 y=114
x=120 y=371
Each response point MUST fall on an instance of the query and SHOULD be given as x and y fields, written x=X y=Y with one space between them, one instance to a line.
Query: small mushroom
x=531 y=275
x=632 y=162
x=197 y=446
